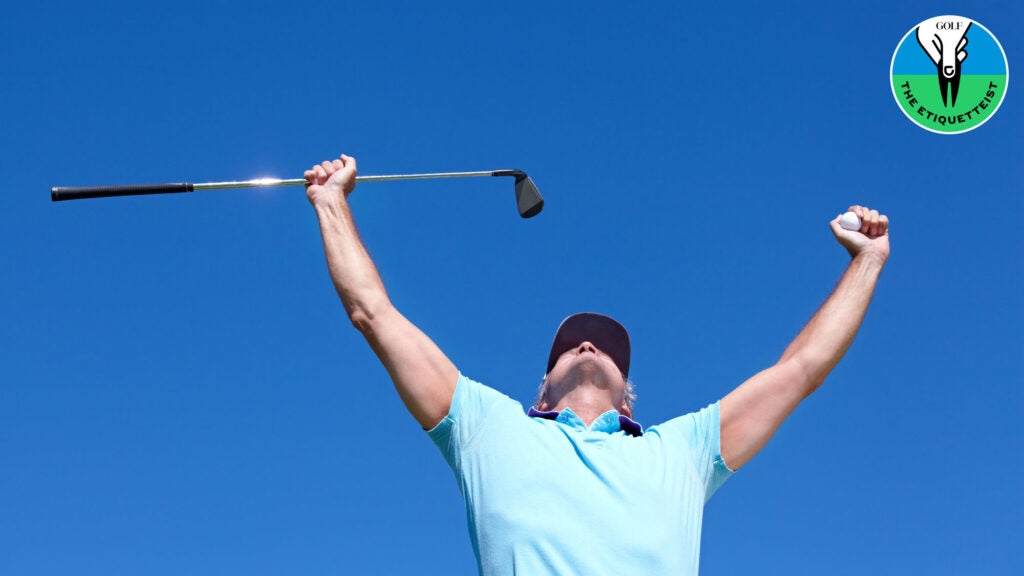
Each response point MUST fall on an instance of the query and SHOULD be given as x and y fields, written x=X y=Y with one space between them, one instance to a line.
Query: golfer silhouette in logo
x=943 y=40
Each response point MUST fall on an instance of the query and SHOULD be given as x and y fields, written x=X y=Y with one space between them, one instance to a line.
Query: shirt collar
x=610 y=422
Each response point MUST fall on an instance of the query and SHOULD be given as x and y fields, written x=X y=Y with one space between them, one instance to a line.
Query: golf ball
x=850 y=221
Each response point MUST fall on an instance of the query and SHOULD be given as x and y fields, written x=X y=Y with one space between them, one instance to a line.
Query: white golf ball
x=850 y=221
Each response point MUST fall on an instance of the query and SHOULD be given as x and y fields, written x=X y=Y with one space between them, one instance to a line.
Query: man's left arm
x=751 y=413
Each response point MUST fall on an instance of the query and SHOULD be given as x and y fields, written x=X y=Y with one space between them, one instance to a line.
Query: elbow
x=366 y=316
x=361 y=320
x=813 y=383
x=808 y=374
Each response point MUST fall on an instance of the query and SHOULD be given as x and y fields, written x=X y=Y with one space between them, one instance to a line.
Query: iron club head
x=528 y=198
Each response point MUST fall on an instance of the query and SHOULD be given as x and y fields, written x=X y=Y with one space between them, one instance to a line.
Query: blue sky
x=181 y=392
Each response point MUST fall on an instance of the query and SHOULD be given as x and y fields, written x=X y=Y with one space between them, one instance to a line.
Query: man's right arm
x=423 y=376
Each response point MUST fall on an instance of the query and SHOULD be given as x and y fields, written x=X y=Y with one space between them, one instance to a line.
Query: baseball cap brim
x=608 y=335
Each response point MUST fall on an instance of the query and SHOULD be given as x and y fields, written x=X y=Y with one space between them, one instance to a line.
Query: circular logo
x=949 y=74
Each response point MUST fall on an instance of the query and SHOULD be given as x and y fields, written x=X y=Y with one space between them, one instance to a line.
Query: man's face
x=586 y=363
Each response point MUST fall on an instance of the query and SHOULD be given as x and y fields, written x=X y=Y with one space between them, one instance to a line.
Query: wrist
x=871 y=257
x=330 y=210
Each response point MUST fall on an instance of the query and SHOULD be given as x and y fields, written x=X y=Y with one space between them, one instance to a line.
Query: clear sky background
x=181 y=392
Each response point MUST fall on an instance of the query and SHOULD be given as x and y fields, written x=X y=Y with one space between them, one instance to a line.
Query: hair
x=630 y=392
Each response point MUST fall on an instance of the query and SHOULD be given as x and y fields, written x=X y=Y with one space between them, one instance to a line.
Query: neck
x=588 y=402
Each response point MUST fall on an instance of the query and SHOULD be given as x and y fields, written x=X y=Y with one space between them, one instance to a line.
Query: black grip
x=79 y=192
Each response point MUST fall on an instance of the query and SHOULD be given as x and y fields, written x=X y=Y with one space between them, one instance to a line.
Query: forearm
x=424 y=377
x=354 y=275
x=828 y=335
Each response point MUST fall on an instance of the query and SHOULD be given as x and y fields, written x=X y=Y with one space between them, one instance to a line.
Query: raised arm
x=752 y=413
x=424 y=377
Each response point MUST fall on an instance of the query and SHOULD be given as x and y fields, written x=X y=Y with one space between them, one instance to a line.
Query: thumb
x=834 y=225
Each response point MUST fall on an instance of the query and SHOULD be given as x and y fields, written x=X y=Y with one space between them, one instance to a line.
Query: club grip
x=78 y=192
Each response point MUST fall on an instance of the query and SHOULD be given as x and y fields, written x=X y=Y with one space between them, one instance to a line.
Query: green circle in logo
x=949 y=74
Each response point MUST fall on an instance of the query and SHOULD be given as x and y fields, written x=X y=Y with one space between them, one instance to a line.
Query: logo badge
x=949 y=74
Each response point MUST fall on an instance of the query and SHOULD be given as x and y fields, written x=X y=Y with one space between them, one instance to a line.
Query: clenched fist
x=871 y=238
x=329 y=183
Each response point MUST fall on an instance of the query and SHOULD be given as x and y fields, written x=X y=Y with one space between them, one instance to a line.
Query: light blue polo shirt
x=550 y=496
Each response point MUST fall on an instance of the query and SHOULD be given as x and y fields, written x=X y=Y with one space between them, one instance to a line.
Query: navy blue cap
x=602 y=331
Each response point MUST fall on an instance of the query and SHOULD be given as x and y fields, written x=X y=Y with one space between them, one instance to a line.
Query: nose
x=586 y=346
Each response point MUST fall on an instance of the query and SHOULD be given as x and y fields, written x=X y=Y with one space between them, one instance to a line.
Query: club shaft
x=528 y=198
x=58 y=193
x=269 y=182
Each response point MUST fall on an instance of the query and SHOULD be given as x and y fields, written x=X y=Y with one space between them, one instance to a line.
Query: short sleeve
x=471 y=405
x=700 y=434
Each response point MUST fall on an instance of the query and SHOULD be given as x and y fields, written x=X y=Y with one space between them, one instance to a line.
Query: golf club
x=528 y=198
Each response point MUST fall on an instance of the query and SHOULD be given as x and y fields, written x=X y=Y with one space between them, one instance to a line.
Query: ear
x=543 y=406
x=625 y=411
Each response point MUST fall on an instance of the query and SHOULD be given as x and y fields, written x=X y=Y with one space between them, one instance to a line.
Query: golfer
x=576 y=486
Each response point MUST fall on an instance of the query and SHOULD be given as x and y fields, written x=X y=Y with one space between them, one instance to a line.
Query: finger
x=350 y=162
x=865 y=222
x=859 y=211
x=873 y=218
x=309 y=175
x=865 y=219
x=338 y=165
x=883 y=225
x=328 y=167
x=321 y=176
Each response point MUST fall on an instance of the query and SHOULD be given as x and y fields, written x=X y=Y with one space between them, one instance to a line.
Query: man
x=576 y=486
